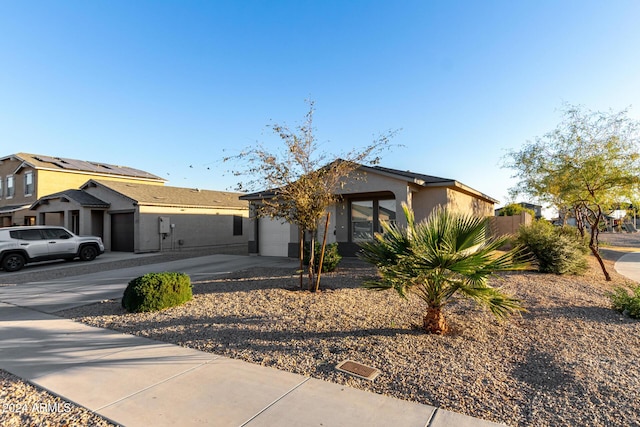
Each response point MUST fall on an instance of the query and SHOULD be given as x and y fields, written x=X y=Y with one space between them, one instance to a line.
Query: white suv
x=21 y=245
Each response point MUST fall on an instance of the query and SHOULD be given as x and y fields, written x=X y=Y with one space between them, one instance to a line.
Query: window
x=26 y=234
x=1 y=193
x=366 y=216
x=56 y=233
x=11 y=190
x=237 y=225
x=362 y=221
x=29 y=186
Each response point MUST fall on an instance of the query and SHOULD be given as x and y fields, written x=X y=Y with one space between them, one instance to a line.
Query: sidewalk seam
x=153 y=385
x=274 y=402
x=433 y=415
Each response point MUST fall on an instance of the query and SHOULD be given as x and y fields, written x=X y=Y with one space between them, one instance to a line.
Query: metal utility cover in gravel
x=357 y=369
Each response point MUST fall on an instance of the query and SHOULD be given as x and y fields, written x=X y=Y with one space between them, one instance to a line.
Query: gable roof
x=81 y=197
x=408 y=176
x=156 y=195
x=61 y=164
x=426 y=179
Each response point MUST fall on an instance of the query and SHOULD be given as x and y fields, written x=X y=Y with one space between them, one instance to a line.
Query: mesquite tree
x=301 y=182
x=586 y=166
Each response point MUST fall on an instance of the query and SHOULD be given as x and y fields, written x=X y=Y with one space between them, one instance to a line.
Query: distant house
x=25 y=178
x=369 y=196
x=140 y=217
x=535 y=208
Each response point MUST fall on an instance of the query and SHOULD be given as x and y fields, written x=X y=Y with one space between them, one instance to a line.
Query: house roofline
x=438 y=182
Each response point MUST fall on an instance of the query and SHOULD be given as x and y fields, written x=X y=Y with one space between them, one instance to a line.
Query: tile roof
x=147 y=194
x=38 y=161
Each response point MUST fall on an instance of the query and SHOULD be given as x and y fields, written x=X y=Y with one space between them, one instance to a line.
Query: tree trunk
x=312 y=251
x=301 y=253
x=324 y=245
x=434 y=322
x=593 y=245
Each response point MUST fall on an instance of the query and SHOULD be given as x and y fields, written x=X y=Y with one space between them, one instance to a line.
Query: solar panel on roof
x=46 y=159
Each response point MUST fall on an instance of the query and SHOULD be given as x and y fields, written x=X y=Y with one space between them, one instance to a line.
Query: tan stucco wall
x=466 y=203
x=49 y=182
x=195 y=227
x=501 y=225
x=425 y=200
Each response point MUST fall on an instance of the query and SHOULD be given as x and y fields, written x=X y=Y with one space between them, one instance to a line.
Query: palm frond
x=446 y=254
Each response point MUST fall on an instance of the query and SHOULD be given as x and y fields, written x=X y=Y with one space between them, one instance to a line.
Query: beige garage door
x=274 y=237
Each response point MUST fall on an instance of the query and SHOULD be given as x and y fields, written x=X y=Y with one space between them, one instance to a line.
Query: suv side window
x=26 y=234
x=56 y=233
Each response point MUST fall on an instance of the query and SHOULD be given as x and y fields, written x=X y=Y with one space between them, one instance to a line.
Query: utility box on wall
x=164 y=225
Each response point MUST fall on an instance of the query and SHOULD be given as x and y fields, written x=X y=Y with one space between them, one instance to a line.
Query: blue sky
x=167 y=86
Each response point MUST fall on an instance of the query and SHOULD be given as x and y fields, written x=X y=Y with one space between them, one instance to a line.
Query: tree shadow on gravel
x=583 y=313
x=223 y=330
x=542 y=371
x=282 y=279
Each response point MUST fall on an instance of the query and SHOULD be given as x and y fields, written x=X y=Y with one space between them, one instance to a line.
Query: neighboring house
x=25 y=178
x=535 y=208
x=369 y=195
x=137 y=217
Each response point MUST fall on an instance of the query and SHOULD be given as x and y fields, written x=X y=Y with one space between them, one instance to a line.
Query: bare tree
x=302 y=183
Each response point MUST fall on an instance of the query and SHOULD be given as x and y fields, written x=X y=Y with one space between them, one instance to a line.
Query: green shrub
x=331 y=256
x=515 y=209
x=574 y=234
x=156 y=291
x=626 y=304
x=556 y=249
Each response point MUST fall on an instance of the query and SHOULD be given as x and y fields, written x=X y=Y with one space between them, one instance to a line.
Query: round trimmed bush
x=156 y=291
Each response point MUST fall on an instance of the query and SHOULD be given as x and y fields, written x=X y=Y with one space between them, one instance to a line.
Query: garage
x=122 y=232
x=274 y=237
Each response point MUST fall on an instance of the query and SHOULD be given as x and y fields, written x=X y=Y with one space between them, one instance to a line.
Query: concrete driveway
x=53 y=295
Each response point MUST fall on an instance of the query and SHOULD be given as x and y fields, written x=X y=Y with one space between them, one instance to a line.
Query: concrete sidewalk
x=135 y=381
x=629 y=266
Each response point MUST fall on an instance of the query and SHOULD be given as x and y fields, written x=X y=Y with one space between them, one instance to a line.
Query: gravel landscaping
x=569 y=360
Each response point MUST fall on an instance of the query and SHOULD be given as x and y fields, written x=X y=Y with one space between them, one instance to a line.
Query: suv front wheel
x=88 y=253
x=13 y=262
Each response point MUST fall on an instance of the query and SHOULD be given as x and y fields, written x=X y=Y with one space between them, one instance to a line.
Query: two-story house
x=130 y=209
x=25 y=178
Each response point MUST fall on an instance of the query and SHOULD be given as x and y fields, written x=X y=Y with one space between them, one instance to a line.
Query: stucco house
x=368 y=196
x=138 y=217
x=25 y=178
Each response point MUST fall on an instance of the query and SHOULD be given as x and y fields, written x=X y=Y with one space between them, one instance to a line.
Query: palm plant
x=435 y=259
